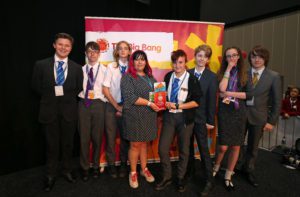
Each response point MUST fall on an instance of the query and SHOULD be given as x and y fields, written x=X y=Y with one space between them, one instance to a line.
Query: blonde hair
x=116 y=51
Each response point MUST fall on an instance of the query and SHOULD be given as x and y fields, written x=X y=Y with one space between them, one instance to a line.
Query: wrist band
x=149 y=103
x=226 y=77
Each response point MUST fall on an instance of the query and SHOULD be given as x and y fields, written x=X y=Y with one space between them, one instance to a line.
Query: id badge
x=250 y=102
x=59 y=90
x=226 y=100
x=91 y=94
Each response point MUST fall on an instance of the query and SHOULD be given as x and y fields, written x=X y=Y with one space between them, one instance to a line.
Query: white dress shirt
x=98 y=83
x=112 y=80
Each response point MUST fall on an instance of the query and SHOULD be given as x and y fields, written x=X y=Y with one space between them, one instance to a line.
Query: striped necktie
x=198 y=75
x=60 y=74
x=255 y=79
x=174 y=92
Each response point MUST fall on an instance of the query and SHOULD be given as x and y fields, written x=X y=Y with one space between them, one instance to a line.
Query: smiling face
x=257 y=61
x=201 y=59
x=179 y=65
x=294 y=93
x=139 y=64
x=62 y=47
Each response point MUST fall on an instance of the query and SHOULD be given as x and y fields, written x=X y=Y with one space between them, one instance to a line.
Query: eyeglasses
x=232 y=56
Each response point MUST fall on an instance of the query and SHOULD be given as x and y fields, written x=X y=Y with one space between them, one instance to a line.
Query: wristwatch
x=177 y=105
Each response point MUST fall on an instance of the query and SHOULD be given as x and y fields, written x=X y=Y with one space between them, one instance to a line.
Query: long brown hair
x=242 y=73
x=116 y=51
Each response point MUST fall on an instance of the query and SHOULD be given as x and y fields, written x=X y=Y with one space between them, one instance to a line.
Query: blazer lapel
x=50 y=71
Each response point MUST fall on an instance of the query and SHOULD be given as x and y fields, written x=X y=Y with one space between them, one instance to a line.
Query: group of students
x=116 y=98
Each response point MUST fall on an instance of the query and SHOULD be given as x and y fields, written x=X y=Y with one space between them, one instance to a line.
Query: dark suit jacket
x=267 y=98
x=194 y=94
x=43 y=83
x=205 y=113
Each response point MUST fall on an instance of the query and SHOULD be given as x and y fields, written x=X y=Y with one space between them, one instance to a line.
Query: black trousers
x=200 y=133
x=59 y=142
x=173 y=123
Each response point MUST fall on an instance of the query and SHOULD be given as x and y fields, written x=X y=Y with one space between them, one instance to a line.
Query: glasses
x=232 y=56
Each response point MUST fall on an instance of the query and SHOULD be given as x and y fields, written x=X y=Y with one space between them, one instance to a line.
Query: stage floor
x=274 y=180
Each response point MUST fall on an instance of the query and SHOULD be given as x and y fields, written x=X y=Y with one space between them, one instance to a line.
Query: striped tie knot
x=174 y=92
x=255 y=78
x=198 y=75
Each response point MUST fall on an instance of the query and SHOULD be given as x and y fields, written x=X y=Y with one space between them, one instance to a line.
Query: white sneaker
x=133 y=180
x=148 y=176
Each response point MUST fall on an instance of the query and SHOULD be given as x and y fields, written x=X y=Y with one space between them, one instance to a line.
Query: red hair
x=136 y=55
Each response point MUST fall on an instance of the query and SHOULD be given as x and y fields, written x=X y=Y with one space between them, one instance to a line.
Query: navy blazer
x=43 y=83
x=208 y=82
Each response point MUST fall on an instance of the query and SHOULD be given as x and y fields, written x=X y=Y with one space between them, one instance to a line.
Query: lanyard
x=92 y=82
x=148 y=81
x=181 y=81
x=56 y=71
x=232 y=82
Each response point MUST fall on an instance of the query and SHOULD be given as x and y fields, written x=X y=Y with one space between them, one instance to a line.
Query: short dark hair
x=178 y=53
x=261 y=52
x=207 y=50
x=92 y=45
x=65 y=36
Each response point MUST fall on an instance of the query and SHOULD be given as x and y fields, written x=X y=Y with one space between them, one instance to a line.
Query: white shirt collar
x=260 y=71
x=122 y=63
x=56 y=58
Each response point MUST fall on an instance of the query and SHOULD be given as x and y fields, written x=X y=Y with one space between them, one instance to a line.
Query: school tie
x=255 y=79
x=174 y=92
x=87 y=101
x=60 y=75
x=198 y=75
x=123 y=69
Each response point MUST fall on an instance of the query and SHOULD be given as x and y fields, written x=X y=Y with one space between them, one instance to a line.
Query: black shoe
x=252 y=180
x=112 y=171
x=208 y=187
x=96 y=173
x=123 y=172
x=163 y=183
x=85 y=175
x=69 y=177
x=228 y=185
x=49 y=183
x=180 y=185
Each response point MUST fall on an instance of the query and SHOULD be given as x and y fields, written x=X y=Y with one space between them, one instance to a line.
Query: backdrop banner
x=158 y=38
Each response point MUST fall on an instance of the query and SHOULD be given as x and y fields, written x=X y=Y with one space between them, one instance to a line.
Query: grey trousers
x=254 y=135
x=173 y=123
x=114 y=124
x=91 y=126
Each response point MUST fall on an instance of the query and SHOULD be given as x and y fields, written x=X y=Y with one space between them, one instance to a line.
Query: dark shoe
x=252 y=180
x=123 y=172
x=85 y=175
x=49 y=183
x=163 y=183
x=180 y=185
x=208 y=187
x=96 y=173
x=228 y=185
x=112 y=171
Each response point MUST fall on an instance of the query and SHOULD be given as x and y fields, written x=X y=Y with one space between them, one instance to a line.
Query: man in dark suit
x=263 y=107
x=205 y=113
x=58 y=81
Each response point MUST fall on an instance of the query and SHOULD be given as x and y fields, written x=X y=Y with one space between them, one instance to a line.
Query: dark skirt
x=231 y=124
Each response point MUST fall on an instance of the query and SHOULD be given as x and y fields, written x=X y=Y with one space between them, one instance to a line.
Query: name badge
x=59 y=90
x=250 y=102
x=91 y=94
